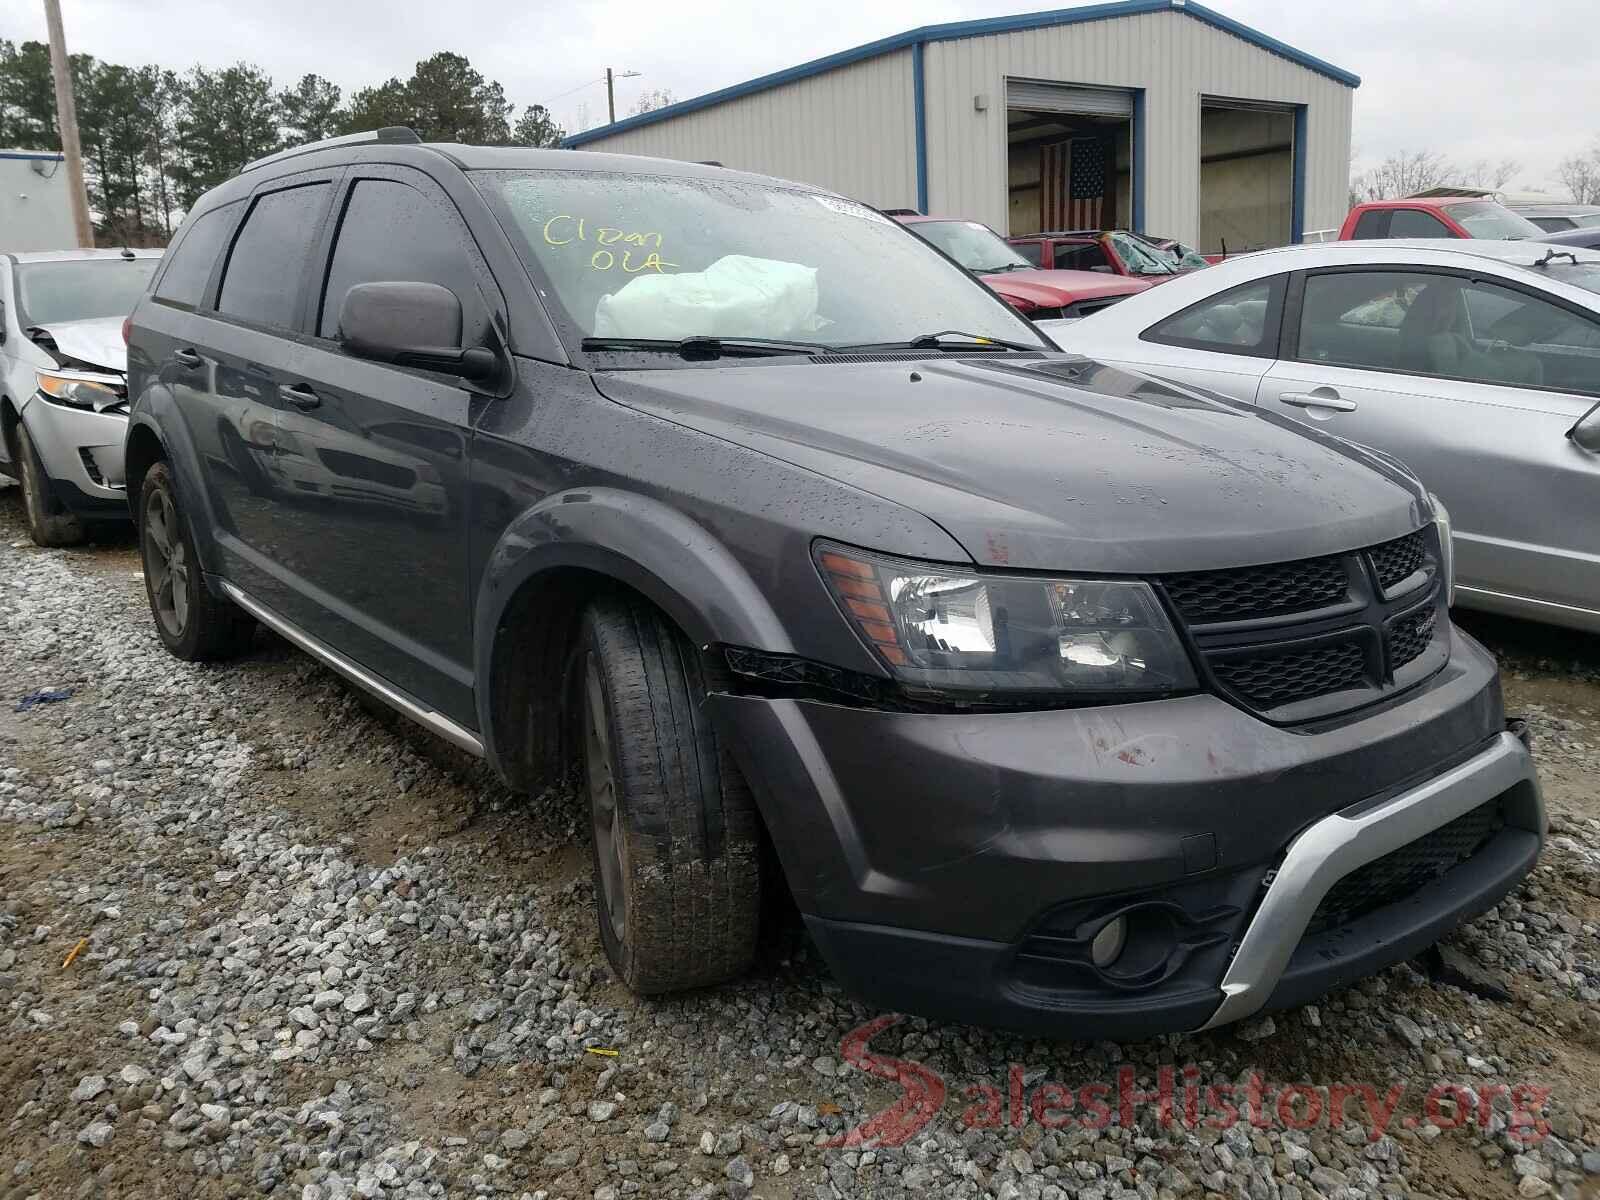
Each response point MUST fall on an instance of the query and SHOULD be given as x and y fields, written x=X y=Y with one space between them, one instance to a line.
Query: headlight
x=943 y=629
x=82 y=390
x=1447 y=550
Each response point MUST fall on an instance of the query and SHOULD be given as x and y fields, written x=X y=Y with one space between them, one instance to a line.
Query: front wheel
x=677 y=862
x=192 y=623
x=49 y=522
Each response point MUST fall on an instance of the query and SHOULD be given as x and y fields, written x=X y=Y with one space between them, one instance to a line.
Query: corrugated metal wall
x=1176 y=59
x=851 y=130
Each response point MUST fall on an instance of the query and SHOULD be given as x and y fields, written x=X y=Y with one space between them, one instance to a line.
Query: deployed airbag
x=736 y=296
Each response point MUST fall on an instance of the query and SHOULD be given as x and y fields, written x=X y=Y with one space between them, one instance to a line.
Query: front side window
x=392 y=233
x=624 y=256
x=261 y=282
x=1488 y=219
x=1447 y=326
x=1032 y=251
x=1414 y=223
x=1242 y=320
x=77 y=290
x=189 y=265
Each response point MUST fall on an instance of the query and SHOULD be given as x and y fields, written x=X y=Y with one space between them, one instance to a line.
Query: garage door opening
x=1070 y=157
x=1246 y=175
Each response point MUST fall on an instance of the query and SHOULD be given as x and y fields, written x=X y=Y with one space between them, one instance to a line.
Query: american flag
x=1072 y=176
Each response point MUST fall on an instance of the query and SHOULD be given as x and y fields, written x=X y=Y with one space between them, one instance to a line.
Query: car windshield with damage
x=972 y=244
x=711 y=262
x=80 y=289
x=1487 y=219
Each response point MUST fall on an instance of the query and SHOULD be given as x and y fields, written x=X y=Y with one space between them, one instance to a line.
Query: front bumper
x=82 y=454
x=943 y=861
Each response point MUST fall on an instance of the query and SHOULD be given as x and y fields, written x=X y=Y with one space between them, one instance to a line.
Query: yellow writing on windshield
x=563 y=229
x=604 y=260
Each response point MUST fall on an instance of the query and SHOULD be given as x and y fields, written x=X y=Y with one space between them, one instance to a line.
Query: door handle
x=1321 y=398
x=301 y=396
x=188 y=359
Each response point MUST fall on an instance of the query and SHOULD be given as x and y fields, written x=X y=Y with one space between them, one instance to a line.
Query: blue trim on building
x=35 y=155
x=919 y=103
x=1297 y=203
x=1136 y=164
x=967 y=29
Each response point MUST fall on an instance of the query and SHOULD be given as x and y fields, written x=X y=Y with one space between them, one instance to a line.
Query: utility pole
x=611 y=94
x=67 y=119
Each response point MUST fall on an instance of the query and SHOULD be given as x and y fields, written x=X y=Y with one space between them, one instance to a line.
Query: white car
x=63 y=390
x=1476 y=363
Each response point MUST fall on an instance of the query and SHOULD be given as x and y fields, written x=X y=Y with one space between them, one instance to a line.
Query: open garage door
x=1070 y=152
x=1246 y=175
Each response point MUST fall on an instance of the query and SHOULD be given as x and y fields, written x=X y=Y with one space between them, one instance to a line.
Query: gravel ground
x=256 y=938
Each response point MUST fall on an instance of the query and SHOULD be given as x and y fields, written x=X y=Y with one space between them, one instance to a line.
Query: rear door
x=375 y=545
x=1473 y=383
x=253 y=340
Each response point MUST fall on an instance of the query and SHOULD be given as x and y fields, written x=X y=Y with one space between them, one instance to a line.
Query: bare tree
x=1580 y=175
x=1402 y=174
x=650 y=101
x=1486 y=174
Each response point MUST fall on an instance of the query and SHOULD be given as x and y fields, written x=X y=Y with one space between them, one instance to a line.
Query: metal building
x=1158 y=115
x=35 y=205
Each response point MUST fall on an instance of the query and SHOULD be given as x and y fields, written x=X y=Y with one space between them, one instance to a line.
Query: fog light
x=1107 y=945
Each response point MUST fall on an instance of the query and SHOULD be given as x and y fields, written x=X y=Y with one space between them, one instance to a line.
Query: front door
x=1473 y=385
x=375 y=455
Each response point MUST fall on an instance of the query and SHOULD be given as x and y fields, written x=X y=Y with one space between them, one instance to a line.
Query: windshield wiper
x=1002 y=268
x=1551 y=255
x=936 y=341
x=705 y=346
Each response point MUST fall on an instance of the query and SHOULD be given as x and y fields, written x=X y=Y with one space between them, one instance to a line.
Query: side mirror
x=1585 y=432
x=411 y=325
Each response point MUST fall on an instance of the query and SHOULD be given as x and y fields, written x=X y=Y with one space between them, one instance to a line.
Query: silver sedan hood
x=95 y=343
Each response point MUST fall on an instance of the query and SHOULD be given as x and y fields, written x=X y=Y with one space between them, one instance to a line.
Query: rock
x=780 y=1165
x=1256 y=1031
x=1409 y=1031
x=357 y=1002
x=602 y=1110
x=514 y=1139
x=323 y=1001
x=657 y=1131
x=96 y=1134
x=133 y=1074
x=825 y=1066
x=305 y=1016
x=740 y=1172
x=88 y=1088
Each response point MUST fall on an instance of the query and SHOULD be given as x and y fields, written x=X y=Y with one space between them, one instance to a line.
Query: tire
x=49 y=522
x=193 y=624
x=677 y=840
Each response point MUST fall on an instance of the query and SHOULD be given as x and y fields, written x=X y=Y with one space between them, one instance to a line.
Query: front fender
x=641 y=542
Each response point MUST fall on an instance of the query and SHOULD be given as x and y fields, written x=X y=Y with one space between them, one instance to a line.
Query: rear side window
x=1554 y=224
x=1413 y=223
x=392 y=233
x=261 y=283
x=183 y=283
x=1374 y=223
x=1242 y=320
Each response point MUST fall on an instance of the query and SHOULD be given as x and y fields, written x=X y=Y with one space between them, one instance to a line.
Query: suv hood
x=1052 y=464
x=96 y=343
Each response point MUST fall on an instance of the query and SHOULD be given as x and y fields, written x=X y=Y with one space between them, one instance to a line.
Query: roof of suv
x=28 y=256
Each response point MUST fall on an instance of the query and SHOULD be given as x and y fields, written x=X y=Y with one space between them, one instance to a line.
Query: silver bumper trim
x=1344 y=841
x=401 y=702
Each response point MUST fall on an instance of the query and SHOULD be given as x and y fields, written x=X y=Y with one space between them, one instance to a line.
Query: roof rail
x=389 y=134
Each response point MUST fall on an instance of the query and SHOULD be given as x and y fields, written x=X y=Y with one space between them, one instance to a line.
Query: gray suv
x=1056 y=697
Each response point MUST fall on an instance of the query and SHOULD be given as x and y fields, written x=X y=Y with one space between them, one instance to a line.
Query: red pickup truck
x=1436 y=217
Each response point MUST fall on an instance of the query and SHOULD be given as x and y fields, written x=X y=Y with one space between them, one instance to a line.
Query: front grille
x=1279 y=637
x=1401 y=872
x=1398 y=560
x=1271 y=680
x=1410 y=636
x=1259 y=591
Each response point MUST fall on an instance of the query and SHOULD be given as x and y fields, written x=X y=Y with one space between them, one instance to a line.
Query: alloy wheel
x=167 y=564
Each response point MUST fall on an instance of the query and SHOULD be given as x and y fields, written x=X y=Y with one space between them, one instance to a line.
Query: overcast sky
x=1471 y=79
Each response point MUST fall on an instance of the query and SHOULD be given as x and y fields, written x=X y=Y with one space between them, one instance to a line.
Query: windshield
x=1486 y=219
x=972 y=244
x=666 y=258
x=1140 y=257
x=76 y=290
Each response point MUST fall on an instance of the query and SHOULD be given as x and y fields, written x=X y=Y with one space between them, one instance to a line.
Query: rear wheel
x=191 y=622
x=49 y=522
x=677 y=862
